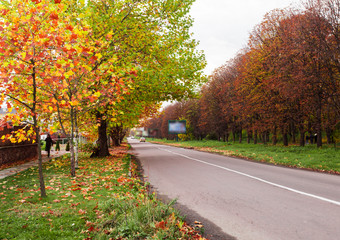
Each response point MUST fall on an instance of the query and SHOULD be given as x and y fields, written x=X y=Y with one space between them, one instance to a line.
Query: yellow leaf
x=99 y=56
x=74 y=103
x=97 y=94
x=68 y=74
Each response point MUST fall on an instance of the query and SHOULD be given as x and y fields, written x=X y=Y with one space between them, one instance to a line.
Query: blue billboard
x=177 y=126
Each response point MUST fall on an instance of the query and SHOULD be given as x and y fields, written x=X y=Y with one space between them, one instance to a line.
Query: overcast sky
x=222 y=26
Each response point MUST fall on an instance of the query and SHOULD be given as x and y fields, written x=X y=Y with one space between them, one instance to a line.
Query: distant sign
x=177 y=126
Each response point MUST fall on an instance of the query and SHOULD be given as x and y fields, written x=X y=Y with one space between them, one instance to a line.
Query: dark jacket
x=49 y=143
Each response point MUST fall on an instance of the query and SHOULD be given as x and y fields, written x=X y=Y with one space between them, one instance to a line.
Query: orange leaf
x=160 y=225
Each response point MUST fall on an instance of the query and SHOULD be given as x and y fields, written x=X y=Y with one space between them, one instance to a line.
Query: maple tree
x=85 y=58
x=30 y=38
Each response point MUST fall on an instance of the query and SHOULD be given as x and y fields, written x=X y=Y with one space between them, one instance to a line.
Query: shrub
x=57 y=146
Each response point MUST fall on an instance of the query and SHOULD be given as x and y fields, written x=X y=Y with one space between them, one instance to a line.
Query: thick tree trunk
x=302 y=135
x=117 y=134
x=103 y=149
x=285 y=137
x=329 y=135
x=122 y=135
x=302 y=138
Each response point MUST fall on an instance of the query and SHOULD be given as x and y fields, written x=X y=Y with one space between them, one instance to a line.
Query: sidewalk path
x=14 y=170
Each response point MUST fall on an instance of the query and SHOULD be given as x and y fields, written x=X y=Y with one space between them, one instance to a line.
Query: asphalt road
x=246 y=200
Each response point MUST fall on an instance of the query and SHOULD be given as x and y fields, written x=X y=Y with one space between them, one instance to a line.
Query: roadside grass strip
x=325 y=159
x=106 y=200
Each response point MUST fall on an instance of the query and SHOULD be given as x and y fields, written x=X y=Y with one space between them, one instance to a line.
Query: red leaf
x=54 y=16
x=74 y=36
x=160 y=225
x=69 y=27
x=81 y=211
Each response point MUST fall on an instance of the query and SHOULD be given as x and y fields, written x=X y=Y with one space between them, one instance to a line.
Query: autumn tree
x=152 y=44
x=31 y=35
x=286 y=79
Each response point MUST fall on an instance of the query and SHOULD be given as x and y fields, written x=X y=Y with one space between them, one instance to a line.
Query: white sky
x=223 y=26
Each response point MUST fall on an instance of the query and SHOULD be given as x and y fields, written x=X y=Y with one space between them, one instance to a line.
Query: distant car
x=142 y=139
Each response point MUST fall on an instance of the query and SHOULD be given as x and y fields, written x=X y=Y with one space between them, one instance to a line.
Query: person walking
x=49 y=144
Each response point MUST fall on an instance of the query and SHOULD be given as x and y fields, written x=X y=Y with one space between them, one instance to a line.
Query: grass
x=325 y=159
x=101 y=202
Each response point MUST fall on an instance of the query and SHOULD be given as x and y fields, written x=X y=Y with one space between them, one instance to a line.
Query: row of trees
x=93 y=67
x=285 y=82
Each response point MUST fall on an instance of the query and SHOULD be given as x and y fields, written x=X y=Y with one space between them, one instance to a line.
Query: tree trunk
x=240 y=136
x=76 y=147
x=302 y=138
x=73 y=164
x=329 y=135
x=285 y=137
x=37 y=132
x=250 y=133
x=122 y=134
x=103 y=149
x=318 y=123
x=41 y=175
x=267 y=135
x=293 y=133
x=255 y=137
x=264 y=137
x=274 y=138
x=117 y=134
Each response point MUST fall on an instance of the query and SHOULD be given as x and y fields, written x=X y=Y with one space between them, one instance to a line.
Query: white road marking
x=256 y=178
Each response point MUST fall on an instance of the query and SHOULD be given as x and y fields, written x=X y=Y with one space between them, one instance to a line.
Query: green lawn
x=325 y=159
x=101 y=202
